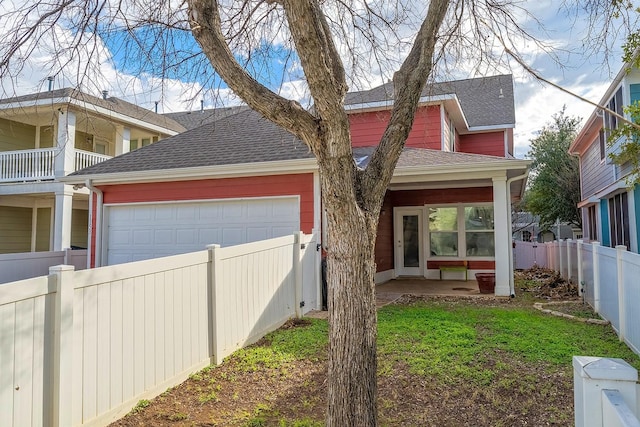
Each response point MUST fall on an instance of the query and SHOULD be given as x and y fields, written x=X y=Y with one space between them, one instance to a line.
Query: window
x=603 y=144
x=133 y=145
x=592 y=222
x=619 y=220
x=461 y=231
x=526 y=236
x=478 y=224
x=443 y=234
x=614 y=104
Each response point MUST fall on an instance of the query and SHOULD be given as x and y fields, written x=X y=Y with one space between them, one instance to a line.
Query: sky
x=535 y=102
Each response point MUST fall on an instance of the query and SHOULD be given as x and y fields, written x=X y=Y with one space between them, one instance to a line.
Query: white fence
x=82 y=347
x=84 y=159
x=26 y=265
x=606 y=393
x=39 y=164
x=529 y=254
x=27 y=165
x=608 y=278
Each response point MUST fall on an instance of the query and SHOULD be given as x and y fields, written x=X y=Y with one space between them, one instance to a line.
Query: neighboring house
x=526 y=227
x=608 y=206
x=239 y=178
x=48 y=135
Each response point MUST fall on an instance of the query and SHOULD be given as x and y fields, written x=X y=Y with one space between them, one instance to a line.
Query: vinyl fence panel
x=529 y=254
x=631 y=299
x=20 y=266
x=25 y=345
x=588 y=285
x=608 y=279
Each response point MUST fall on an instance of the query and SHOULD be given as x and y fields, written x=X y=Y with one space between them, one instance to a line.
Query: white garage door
x=145 y=231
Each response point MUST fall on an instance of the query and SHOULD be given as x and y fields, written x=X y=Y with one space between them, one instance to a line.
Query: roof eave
x=195 y=173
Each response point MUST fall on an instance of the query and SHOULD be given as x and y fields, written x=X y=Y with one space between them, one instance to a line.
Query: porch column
x=62 y=218
x=66 y=139
x=123 y=137
x=502 y=237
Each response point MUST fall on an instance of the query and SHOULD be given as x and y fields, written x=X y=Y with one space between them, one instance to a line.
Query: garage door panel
x=186 y=237
x=137 y=232
x=163 y=237
x=232 y=210
x=209 y=237
x=255 y=234
x=142 y=237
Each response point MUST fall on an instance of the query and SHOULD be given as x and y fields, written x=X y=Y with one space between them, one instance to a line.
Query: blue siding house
x=610 y=208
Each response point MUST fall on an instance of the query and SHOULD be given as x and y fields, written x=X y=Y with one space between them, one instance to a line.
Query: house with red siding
x=238 y=178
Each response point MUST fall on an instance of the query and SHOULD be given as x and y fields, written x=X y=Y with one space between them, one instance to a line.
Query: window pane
x=410 y=235
x=478 y=218
x=444 y=244
x=480 y=244
x=443 y=219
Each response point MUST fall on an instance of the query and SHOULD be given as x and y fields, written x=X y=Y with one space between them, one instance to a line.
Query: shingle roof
x=113 y=104
x=194 y=119
x=245 y=137
x=423 y=157
x=485 y=101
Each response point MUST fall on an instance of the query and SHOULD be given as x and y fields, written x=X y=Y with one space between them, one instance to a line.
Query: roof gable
x=485 y=101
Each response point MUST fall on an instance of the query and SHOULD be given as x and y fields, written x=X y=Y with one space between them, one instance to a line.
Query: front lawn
x=442 y=362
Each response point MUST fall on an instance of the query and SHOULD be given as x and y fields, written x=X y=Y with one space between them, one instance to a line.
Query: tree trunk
x=351 y=236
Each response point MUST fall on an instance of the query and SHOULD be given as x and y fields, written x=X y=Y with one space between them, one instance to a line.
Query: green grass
x=284 y=346
x=455 y=342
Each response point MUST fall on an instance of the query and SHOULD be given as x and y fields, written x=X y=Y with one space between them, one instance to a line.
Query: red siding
x=442 y=196
x=367 y=128
x=384 y=238
x=225 y=188
x=490 y=143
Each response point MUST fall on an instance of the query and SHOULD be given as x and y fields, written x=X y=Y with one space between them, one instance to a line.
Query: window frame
x=461 y=230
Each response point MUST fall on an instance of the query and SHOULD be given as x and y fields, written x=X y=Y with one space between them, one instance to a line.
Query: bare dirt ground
x=294 y=395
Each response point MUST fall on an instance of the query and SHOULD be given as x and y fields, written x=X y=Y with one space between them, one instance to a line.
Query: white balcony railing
x=84 y=159
x=40 y=164
x=27 y=165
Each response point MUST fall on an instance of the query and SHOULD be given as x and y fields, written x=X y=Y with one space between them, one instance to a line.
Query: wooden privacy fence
x=14 y=267
x=608 y=280
x=83 y=347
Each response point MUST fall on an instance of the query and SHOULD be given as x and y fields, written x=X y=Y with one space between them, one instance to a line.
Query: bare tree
x=334 y=41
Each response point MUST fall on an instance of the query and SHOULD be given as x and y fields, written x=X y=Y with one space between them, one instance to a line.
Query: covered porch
x=447 y=216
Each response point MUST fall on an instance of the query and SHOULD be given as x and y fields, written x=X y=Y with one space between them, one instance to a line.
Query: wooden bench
x=461 y=267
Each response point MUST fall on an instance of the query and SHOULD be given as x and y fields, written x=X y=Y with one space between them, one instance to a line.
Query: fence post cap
x=213 y=246
x=595 y=243
x=604 y=368
x=62 y=267
x=621 y=247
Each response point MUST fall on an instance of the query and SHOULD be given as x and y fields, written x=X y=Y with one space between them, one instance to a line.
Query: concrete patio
x=390 y=291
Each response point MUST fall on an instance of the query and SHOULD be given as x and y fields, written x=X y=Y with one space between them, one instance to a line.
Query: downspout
x=512 y=287
x=98 y=215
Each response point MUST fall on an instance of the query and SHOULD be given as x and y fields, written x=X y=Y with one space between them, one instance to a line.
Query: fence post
x=592 y=375
x=62 y=403
x=620 y=249
x=596 y=277
x=560 y=263
x=568 y=278
x=215 y=280
x=297 y=271
x=580 y=274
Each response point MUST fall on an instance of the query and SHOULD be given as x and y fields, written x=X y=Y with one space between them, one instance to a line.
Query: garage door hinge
x=301 y=304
